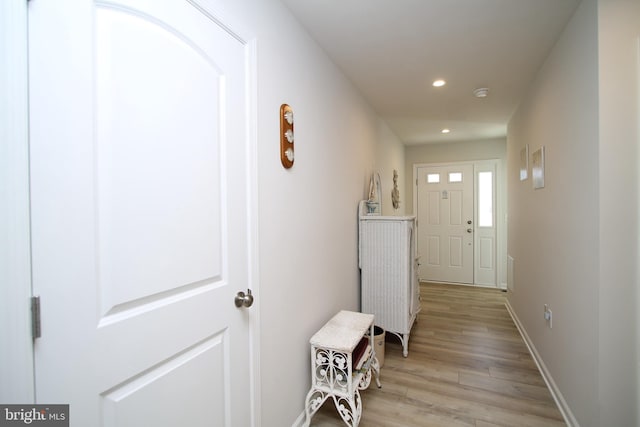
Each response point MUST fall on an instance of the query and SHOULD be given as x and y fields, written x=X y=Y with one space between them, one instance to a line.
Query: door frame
x=500 y=214
x=19 y=386
x=16 y=353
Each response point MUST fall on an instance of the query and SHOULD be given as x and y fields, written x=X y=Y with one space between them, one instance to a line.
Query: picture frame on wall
x=537 y=168
x=524 y=163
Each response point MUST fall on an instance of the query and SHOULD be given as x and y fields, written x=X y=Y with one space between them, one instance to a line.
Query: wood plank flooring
x=467 y=366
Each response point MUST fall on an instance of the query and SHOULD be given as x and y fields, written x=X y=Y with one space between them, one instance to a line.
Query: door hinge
x=35 y=317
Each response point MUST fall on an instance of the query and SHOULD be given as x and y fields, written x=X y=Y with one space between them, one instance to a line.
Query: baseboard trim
x=568 y=416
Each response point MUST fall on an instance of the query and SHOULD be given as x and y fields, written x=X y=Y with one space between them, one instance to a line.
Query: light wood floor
x=467 y=366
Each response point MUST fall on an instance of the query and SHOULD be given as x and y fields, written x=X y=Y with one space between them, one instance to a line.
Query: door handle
x=469 y=230
x=244 y=300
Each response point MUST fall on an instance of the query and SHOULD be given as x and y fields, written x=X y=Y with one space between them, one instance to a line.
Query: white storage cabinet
x=388 y=263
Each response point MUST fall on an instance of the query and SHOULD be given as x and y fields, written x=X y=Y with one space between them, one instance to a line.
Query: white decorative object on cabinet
x=389 y=282
x=342 y=360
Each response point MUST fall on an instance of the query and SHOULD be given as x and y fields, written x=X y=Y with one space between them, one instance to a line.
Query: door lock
x=244 y=300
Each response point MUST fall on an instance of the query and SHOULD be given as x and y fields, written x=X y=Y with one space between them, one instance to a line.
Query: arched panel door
x=138 y=151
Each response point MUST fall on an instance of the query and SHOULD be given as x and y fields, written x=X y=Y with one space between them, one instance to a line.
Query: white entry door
x=445 y=223
x=139 y=202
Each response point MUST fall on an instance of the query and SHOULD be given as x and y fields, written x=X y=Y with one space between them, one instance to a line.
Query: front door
x=139 y=203
x=445 y=223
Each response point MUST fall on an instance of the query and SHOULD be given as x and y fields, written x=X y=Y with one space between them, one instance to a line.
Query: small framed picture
x=537 y=168
x=524 y=163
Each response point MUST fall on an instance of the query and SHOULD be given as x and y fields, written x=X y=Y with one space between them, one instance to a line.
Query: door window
x=433 y=178
x=485 y=199
x=455 y=176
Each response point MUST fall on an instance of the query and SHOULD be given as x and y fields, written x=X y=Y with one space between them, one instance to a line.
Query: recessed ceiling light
x=445 y=130
x=439 y=83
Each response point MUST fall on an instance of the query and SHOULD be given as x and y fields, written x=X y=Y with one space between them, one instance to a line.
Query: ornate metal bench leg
x=350 y=410
x=365 y=381
x=375 y=367
x=315 y=399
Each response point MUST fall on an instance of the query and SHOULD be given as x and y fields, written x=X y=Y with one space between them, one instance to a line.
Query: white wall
x=619 y=75
x=308 y=267
x=390 y=157
x=575 y=241
x=553 y=232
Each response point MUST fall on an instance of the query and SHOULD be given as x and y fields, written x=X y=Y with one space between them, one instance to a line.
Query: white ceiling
x=392 y=50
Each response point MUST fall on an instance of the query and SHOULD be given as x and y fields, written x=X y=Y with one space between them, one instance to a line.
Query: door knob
x=469 y=222
x=243 y=299
x=469 y=230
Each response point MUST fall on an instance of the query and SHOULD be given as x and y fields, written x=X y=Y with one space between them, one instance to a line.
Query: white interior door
x=138 y=151
x=445 y=223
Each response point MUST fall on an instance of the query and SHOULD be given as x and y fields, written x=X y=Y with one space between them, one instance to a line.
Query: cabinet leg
x=404 y=340
x=405 y=345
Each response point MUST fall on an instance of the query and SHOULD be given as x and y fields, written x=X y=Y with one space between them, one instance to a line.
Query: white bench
x=335 y=372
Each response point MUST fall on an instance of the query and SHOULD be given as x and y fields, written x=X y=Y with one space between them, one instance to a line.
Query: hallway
x=467 y=366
